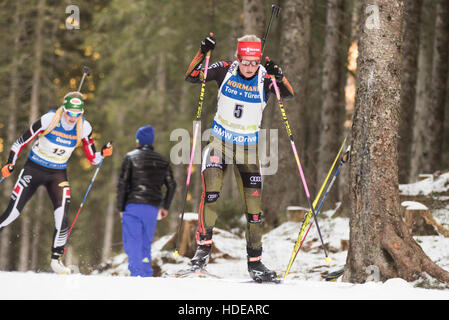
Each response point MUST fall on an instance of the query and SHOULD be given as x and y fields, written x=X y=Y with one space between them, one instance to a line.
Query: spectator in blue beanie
x=140 y=200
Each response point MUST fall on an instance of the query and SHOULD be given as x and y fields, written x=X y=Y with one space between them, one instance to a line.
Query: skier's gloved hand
x=273 y=69
x=7 y=169
x=107 y=150
x=208 y=44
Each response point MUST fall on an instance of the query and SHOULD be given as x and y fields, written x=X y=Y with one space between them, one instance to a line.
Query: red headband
x=249 y=48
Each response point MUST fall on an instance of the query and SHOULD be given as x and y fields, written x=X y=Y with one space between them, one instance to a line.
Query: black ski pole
x=295 y=152
x=275 y=11
x=192 y=152
x=86 y=71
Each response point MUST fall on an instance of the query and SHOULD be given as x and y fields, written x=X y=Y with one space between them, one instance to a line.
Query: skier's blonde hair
x=58 y=115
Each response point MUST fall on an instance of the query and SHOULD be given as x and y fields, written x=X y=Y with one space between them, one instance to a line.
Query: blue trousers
x=138 y=227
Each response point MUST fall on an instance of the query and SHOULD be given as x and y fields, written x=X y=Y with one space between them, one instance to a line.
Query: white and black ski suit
x=46 y=166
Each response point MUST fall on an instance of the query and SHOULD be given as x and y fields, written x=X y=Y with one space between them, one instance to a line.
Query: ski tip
x=333 y=276
x=176 y=254
x=328 y=260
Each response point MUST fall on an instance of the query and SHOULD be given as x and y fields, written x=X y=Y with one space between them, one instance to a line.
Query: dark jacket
x=143 y=173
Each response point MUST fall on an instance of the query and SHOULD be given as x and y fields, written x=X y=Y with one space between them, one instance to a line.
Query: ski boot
x=260 y=273
x=56 y=264
x=202 y=254
x=198 y=263
x=257 y=270
x=201 y=257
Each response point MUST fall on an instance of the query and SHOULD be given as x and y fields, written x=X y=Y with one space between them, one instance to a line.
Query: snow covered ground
x=304 y=282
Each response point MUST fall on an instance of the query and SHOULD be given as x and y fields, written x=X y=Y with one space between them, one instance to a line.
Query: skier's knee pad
x=212 y=196
x=251 y=180
x=254 y=217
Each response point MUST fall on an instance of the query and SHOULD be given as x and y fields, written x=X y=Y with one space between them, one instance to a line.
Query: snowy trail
x=43 y=286
x=304 y=281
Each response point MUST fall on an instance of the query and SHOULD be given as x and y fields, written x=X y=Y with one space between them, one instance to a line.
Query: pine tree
x=379 y=239
x=284 y=188
x=333 y=99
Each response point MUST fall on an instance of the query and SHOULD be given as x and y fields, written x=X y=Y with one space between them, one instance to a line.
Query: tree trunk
x=285 y=188
x=111 y=211
x=11 y=132
x=437 y=93
x=410 y=49
x=35 y=242
x=344 y=180
x=25 y=243
x=420 y=153
x=379 y=238
x=332 y=104
x=109 y=222
x=254 y=17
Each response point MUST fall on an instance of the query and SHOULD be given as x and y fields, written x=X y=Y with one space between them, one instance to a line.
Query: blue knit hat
x=145 y=135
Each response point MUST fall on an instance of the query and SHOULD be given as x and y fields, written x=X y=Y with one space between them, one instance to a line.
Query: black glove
x=273 y=69
x=208 y=44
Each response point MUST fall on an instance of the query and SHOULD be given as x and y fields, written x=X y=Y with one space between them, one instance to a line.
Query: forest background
x=139 y=51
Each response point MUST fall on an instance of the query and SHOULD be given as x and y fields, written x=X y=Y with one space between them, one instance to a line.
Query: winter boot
x=56 y=264
x=257 y=270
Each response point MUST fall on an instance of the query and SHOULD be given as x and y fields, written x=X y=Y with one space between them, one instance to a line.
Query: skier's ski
x=333 y=276
x=197 y=272
x=70 y=270
x=272 y=280
x=203 y=273
x=58 y=267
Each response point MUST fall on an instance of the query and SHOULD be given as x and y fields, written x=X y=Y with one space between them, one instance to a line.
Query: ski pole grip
x=211 y=34
x=276 y=10
x=86 y=70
